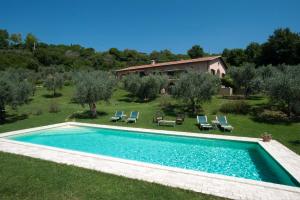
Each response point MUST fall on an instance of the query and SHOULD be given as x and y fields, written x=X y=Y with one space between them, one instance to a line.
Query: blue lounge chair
x=223 y=123
x=118 y=116
x=202 y=121
x=134 y=115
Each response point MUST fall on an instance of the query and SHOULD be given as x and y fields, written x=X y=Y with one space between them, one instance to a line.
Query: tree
x=146 y=87
x=284 y=87
x=53 y=82
x=234 y=57
x=31 y=41
x=14 y=91
x=16 y=39
x=281 y=47
x=162 y=56
x=196 y=52
x=196 y=88
x=92 y=87
x=246 y=78
x=132 y=83
x=4 y=39
x=253 y=53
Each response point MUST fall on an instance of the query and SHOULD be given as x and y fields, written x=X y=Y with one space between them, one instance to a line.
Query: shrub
x=234 y=97
x=54 y=107
x=272 y=116
x=67 y=83
x=237 y=107
x=227 y=82
x=164 y=101
x=37 y=111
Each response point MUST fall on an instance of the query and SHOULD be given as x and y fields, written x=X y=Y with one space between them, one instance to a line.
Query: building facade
x=213 y=64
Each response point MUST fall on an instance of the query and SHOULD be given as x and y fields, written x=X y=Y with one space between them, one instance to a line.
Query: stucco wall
x=218 y=67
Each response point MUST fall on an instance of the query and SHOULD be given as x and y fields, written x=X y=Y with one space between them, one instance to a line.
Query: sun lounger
x=224 y=125
x=133 y=117
x=118 y=116
x=202 y=121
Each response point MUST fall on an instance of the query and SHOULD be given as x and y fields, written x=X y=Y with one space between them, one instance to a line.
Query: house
x=213 y=64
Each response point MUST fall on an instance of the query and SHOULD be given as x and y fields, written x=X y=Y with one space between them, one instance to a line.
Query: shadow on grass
x=130 y=98
x=174 y=110
x=241 y=97
x=87 y=115
x=266 y=121
x=51 y=96
x=11 y=118
x=295 y=142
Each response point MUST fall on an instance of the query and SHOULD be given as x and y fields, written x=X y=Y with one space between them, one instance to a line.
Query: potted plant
x=266 y=137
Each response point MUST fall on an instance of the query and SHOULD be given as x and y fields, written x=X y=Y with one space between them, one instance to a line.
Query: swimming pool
x=232 y=158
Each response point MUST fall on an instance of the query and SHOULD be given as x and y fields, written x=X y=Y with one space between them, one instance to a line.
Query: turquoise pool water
x=231 y=158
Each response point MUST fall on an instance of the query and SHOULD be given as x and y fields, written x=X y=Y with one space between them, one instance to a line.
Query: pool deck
x=208 y=183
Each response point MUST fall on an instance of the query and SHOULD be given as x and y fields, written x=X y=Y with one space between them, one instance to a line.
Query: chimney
x=153 y=62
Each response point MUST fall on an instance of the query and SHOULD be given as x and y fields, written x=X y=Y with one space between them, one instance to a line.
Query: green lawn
x=28 y=178
x=35 y=179
x=287 y=134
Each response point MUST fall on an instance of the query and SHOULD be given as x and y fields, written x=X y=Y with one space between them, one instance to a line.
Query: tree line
x=282 y=47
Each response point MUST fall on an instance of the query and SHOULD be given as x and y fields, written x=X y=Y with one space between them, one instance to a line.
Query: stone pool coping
x=215 y=184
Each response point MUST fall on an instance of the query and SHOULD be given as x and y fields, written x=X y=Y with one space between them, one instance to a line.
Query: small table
x=215 y=124
x=166 y=122
x=123 y=117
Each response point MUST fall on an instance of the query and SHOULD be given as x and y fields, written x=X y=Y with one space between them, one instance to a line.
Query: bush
x=67 y=83
x=164 y=101
x=37 y=111
x=237 y=107
x=54 y=107
x=227 y=82
x=234 y=97
x=272 y=116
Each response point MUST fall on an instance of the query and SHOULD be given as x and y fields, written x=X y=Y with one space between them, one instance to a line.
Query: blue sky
x=147 y=25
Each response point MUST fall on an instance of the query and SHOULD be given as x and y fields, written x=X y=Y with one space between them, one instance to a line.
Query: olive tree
x=146 y=87
x=284 y=87
x=53 y=82
x=246 y=78
x=14 y=91
x=196 y=88
x=93 y=86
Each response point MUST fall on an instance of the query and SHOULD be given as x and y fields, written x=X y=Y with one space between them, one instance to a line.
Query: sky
x=147 y=25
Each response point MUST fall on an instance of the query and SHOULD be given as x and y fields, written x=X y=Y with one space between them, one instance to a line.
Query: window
x=213 y=71
x=170 y=73
x=142 y=74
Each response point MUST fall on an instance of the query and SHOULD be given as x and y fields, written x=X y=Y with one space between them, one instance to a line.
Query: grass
x=27 y=178
x=287 y=134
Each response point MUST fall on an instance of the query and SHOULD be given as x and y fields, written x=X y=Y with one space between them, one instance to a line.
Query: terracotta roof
x=203 y=59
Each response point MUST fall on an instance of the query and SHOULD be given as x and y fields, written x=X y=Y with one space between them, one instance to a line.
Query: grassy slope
x=288 y=134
